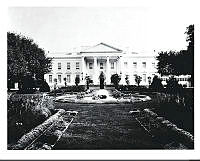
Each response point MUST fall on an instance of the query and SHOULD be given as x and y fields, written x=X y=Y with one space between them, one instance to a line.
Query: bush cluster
x=80 y=88
x=132 y=88
x=117 y=94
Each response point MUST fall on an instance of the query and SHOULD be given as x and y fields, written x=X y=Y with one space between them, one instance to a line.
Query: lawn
x=110 y=126
x=104 y=126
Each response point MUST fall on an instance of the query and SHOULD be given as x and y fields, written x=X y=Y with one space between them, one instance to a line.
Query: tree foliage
x=167 y=63
x=25 y=58
x=190 y=36
x=178 y=62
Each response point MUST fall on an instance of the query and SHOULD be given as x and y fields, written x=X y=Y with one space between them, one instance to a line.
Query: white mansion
x=103 y=58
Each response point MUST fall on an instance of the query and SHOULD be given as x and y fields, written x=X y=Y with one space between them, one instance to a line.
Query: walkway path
x=104 y=126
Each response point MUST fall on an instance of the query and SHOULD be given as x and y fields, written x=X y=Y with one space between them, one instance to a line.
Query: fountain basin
x=100 y=97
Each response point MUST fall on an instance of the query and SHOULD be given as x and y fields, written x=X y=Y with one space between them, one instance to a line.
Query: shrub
x=65 y=80
x=88 y=80
x=79 y=88
x=44 y=87
x=173 y=87
x=77 y=80
x=156 y=85
x=132 y=88
x=115 y=79
x=117 y=94
x=138 y=79
x=127 y=80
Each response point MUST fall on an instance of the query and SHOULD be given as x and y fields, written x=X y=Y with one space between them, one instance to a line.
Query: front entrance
x=102 y=79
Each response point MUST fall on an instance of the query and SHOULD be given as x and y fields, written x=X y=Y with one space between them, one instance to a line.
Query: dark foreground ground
x=104 y=126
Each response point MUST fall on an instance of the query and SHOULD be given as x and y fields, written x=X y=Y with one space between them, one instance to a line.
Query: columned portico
x=94 y=65
x=101 y=58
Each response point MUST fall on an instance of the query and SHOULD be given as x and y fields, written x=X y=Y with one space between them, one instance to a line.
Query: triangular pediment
x=102 y=48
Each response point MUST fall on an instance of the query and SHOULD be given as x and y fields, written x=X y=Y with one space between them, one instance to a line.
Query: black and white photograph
x=92 y=78
x=101 y=77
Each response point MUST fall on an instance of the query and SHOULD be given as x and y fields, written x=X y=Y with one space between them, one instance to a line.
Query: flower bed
x=25 y=111
x=68 y=89
x=171 y=130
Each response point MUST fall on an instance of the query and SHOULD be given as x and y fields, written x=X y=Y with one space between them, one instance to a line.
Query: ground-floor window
x=68 y=65
x=59 y=78
x=68 y=78
x=50 y=78
x=144 y=77
x=77 y=65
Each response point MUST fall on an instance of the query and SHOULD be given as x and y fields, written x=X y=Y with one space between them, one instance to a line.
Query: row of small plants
x=69 y=89
x=25 y=112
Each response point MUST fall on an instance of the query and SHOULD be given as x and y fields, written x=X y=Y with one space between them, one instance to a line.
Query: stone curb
x=28 y=138
x=182 y=135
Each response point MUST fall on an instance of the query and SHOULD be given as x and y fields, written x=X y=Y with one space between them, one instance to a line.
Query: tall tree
x=178 y=62
x=25 y=59
x=190 y=51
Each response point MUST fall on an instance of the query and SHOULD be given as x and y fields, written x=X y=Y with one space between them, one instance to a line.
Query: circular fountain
x=101 y=96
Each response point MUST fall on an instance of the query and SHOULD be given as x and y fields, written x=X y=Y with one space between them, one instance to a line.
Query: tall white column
x=95 y=71
x=118 y=66
x=122 y=70
x=83 y=69
x=108 y=71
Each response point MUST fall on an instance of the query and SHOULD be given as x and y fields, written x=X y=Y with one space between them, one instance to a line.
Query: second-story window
x=77 y=65
x=135 y=65
x=90 y=65
x=68 y=65
x=144 y=64
x=112 y=65
x=59 y=65
x=153 y=65
x=125 y=65
x=101 y=65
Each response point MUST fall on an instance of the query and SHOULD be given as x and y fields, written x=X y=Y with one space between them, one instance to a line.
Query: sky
x=158 y=27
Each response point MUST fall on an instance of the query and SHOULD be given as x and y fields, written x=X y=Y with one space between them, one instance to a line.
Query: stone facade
x=101 y=58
